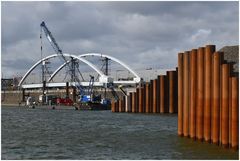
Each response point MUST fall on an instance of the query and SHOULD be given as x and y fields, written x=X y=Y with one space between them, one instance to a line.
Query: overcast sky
x=141 y=34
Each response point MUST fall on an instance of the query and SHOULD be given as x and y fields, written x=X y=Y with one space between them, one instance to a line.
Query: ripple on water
x=70 y=134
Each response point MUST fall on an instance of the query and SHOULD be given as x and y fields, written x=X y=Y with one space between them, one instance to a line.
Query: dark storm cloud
x=142 y=34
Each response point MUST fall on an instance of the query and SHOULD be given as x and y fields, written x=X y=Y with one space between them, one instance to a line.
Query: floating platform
x=92 y=106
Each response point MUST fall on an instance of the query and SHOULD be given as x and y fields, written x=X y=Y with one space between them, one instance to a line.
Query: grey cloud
x=142 y=34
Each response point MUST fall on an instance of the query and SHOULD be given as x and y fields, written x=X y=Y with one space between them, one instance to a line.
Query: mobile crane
x=58 y=51
x=86 y=96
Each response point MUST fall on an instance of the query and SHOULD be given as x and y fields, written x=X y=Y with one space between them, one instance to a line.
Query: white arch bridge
x=103 y=79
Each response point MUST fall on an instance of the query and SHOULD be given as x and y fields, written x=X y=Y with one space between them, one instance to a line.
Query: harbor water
x=69 y=134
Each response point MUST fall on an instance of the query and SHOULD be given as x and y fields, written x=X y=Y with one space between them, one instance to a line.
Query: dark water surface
x=70 y=134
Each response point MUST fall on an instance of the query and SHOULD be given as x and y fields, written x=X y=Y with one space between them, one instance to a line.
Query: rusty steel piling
x=215 y=119
x=225 y=104
x=193 y=83
x=209 y=50
x=140 y=100
x=200 y=93
x=154 y=96
x=180 y=94
x=147 y=99
x=235 y=113
x=163 y=108
x=186 y=94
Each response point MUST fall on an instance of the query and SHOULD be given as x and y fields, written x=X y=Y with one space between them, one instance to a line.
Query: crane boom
x=57 y=49
x=51 y=38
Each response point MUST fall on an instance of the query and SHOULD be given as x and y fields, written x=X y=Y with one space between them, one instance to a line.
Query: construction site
x=203 y=89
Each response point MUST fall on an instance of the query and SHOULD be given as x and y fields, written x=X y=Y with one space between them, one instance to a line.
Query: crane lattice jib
x=57 y=49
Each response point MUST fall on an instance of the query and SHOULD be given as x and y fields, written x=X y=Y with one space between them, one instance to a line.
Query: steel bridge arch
x=137 y=79
x=66 y=55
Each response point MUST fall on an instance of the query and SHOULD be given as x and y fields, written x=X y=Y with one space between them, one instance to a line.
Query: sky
x=141 y=34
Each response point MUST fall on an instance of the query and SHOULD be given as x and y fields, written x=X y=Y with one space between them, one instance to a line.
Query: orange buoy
x=193 y=97
x=235 y=113
x=225 y=105
x=186 y=93
x=180 y=94
x=215 y=119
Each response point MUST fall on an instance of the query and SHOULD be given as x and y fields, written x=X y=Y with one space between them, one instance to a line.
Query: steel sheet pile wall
x=157 y=96
x=207 y=97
